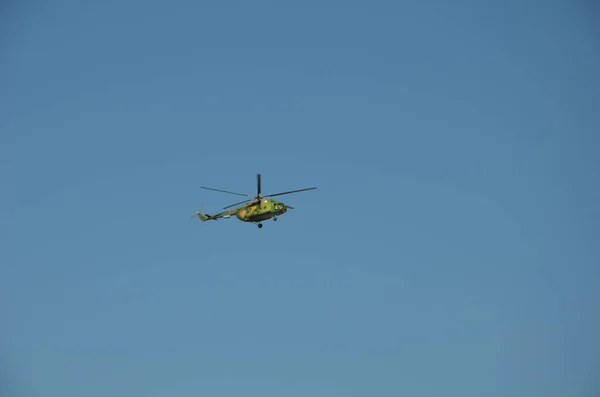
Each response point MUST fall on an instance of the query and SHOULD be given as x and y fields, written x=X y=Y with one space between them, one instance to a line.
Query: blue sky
x=451 y=248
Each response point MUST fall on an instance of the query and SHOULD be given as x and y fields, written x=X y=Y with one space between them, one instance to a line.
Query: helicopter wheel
x=259 y=225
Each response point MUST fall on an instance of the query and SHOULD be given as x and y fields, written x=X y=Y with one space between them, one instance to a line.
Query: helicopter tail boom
x=203 y=217
x=208 y=217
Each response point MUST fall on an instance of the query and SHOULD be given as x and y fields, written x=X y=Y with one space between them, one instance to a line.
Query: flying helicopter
x=257 y=209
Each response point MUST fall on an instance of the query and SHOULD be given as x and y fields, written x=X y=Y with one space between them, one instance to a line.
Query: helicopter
x=257 y=209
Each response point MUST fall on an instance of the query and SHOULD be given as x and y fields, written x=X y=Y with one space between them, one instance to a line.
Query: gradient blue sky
x=450 y=250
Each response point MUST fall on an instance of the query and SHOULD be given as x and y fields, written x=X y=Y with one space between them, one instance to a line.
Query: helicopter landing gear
x=259 y=225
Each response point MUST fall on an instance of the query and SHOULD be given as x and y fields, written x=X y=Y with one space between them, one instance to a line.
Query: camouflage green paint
x=267 y=209
x=255 y=211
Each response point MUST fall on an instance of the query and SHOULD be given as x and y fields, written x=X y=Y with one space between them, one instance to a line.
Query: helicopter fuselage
x=261 y=211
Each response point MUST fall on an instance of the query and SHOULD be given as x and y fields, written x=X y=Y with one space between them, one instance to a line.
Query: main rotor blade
x=224 y=191
x=291 y=191
x=233 y=205
x=258 y=185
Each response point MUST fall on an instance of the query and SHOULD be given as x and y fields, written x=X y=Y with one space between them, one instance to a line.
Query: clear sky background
x=450 y=250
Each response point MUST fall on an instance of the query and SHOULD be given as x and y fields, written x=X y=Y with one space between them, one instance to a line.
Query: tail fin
x=203 y=217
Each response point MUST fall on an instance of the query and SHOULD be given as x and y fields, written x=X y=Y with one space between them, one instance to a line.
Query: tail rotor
x=199 y=213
